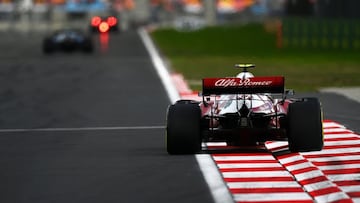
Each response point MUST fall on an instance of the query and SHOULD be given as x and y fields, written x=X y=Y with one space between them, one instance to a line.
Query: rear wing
x=219 y=86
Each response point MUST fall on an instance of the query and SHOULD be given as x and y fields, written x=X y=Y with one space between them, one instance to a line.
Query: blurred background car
x=104 y=24
x=67 y=40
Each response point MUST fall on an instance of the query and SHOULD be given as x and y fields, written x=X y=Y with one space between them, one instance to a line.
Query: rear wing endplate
x=219 y=86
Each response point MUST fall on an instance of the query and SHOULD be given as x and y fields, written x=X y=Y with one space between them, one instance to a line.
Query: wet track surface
x=103 y=116
x=104 y=113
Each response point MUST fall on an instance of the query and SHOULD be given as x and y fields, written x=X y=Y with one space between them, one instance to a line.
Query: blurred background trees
x=312 y=23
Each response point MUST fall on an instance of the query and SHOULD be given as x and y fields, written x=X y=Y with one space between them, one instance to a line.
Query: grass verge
x=213 y=51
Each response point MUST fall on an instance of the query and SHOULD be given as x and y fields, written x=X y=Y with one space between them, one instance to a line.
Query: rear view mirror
x=290 y=92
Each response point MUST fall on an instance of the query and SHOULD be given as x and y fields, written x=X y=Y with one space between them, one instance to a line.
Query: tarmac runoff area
x=349 y=92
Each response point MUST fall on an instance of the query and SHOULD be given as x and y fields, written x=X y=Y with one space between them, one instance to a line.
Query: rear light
x=104 y=27
x=95 y=21
x=111 y=21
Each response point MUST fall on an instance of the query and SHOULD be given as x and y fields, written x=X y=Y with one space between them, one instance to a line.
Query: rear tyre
x=88 y=46
x=183 y=131
x=48 y=46
x=305 y=131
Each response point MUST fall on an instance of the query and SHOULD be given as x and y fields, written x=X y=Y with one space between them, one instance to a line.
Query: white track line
x=159 y=66
x=81 y=129
x=207 y=165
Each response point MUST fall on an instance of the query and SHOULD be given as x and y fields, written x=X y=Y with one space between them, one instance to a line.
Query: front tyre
x=305 y=131
x=183 y=131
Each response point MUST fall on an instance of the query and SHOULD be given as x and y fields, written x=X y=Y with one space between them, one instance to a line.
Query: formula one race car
x=244 y=111
x=67 y=40
x=104 y=24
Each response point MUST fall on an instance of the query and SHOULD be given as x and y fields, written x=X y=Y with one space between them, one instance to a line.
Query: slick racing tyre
x=183 y=128
x=305 y=131
x=88 y=46
x=48 y=46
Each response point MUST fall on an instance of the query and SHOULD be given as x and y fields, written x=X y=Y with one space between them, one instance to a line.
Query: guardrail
x=319 y=33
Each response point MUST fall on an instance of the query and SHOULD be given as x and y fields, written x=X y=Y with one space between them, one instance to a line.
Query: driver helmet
x=244 y=75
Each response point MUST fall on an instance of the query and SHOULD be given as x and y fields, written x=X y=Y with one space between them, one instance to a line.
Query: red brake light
x=95 y=21
x=104 y=27
x=111 y=21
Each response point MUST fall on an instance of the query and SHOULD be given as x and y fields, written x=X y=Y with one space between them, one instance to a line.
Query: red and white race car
x=244 y=111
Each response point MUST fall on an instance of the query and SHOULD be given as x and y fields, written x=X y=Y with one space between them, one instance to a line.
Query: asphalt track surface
x=102 y=117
